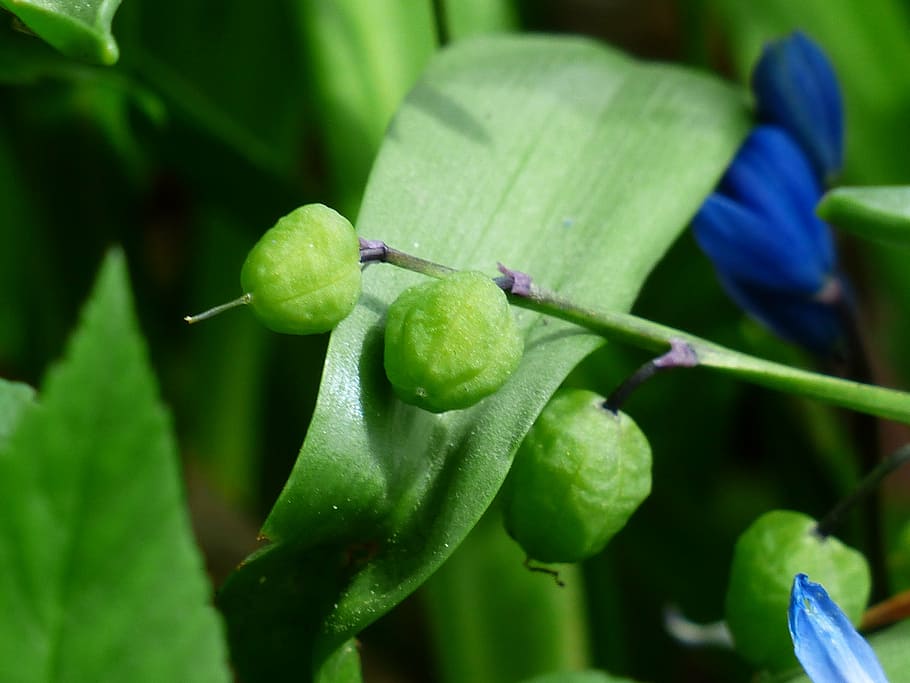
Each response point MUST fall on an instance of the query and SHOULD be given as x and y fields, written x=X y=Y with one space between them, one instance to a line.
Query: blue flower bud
x=796 y=88
x=773 y=255
x=824 y=640
x=760 y=226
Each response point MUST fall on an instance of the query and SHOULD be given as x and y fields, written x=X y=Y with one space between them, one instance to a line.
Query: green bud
x=578 y=476
x=451 y=342
x=779 y=545
x=303 y=275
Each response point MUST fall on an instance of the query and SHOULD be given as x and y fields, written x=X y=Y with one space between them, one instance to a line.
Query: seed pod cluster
x=449 y=343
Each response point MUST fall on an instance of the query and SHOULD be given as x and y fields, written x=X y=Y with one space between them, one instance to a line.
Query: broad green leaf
x=101 y=580
x=877 y=213
x=78 y=28
x=14 y=399
x=556 y=156
x=343 y=666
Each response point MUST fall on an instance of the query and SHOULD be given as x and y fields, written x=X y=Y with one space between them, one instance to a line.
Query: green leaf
x=101 y=580
x=877 y=213
x=78 y=28
x=343 y=666
x=14 y=399
x=557 y=156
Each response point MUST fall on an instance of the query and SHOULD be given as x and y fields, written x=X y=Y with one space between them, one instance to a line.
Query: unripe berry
x=779 y=545
x=578 y=476
x=451 y=342
x=303 y=275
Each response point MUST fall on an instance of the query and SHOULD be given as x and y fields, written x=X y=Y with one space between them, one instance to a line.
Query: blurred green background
x=221 y=117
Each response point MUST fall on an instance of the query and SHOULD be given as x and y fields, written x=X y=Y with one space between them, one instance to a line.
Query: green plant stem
x=374 y=251
x=243 y=300
x=630 y=329
x=651 y=336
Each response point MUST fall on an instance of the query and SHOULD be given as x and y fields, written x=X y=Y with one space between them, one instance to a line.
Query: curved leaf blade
x=15 y=398
x=877 y=213
x=78 y=28
x=556 y=156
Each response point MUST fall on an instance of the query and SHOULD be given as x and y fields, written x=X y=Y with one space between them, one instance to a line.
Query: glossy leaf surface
x=78 y=28
x=14 y=398
x=877 y=213
x=555 y=156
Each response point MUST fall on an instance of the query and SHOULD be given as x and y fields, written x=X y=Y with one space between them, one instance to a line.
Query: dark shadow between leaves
x=288 y=591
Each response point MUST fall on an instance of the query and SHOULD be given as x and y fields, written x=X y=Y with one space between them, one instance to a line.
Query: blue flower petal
x=775 y=257
x=772 y=157
x=796 y=88
x=744 y=246
x=772 y=180
x=771 y=175
x=812 y=324
x=824 y=640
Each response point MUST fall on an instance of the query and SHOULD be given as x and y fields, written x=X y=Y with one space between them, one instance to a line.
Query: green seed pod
x=303 y=275
x=779 y=545
x=578 y=476
x=451 y=342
